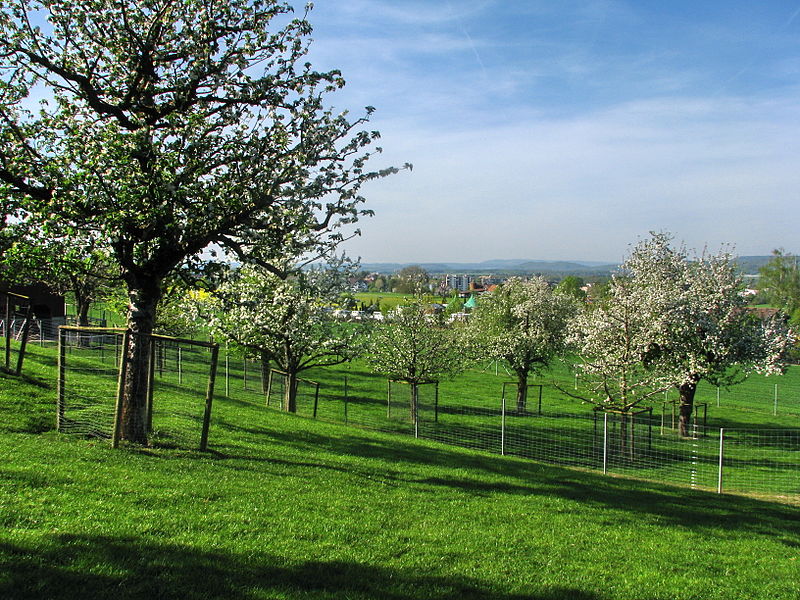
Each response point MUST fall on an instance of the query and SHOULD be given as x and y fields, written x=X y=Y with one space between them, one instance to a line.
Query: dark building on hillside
x=45 y=303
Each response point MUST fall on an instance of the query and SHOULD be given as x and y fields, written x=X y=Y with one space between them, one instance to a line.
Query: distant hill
x=747 y=265
x=751 y=264
x=510 y=266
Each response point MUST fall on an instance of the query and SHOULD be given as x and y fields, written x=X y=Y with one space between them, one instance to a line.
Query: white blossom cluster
x=671 y=321
x=288 y=320
x=415 y=348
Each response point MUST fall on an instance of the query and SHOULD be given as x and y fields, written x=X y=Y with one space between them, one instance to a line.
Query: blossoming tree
x=415 y=347
x=671 y=320
x=287 y=320
x=525 y=324
x=171 y=126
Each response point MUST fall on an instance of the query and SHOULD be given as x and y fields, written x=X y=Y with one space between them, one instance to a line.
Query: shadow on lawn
x=637 y=501
x=98 y=567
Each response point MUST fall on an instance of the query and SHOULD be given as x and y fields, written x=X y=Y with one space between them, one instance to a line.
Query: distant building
x=458 y=282
x=46 y=304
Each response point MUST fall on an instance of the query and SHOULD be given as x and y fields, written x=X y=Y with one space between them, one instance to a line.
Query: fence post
x=415 y=396
x=605 y=443
x=209 y=398
x=8 y=332
x=26 y=328
x=123 y=363
x=62 y=373
x=345 y=399
x=151 y=379
x=503 y=426
x=775 y=406
x=227 y=374
x=180 y=366
x=721 y=455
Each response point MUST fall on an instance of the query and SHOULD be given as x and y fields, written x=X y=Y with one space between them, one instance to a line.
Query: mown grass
x=286 y=507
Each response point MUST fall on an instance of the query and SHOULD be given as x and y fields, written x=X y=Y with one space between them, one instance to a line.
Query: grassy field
x=391 y=300
x=286 y=507
x=761 y=449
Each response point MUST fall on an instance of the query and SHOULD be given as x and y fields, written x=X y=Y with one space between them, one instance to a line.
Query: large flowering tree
x=525 y=324
x=288 y=321
x=170 y=126
x=685 y=321
x=705 y=331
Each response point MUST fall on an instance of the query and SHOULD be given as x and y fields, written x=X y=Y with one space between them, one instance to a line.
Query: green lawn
x=287 y=507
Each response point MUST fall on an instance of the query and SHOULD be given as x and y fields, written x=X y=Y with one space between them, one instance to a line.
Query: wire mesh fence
x=92 y=379
x=643 y=444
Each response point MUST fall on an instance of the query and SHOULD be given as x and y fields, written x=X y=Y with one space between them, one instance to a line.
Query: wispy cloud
x=566 y=130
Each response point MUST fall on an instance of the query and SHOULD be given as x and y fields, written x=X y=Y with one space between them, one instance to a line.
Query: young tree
x=525 y=324
x=287 y=321
x=171 y=126
x=415 y=347
x=780 y=279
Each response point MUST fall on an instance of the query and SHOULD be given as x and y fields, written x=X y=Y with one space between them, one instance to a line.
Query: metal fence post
x=605 y=443
x=62 y=375
x=227 y=374
x=345 y=399
x=775 y=406
x=721 y=455
x=415 y=396
x=503 y=426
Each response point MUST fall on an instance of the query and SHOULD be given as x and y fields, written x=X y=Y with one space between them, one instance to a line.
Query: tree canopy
x=171 y=126
x=525 y=324
x=672 y=319
x=780 y=280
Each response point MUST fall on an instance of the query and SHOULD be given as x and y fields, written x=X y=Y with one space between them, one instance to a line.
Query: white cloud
x=711 y=170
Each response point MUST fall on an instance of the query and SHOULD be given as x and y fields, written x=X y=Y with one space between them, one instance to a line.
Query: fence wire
x=645 y=445
x=91 y=367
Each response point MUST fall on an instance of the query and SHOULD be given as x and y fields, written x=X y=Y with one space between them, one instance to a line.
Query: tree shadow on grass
x=637 y=499
x=82 y=566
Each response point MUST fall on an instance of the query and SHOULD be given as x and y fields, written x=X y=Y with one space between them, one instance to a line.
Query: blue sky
x=568 y=130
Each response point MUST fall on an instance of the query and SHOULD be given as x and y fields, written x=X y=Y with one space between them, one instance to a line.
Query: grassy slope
x=286 y=507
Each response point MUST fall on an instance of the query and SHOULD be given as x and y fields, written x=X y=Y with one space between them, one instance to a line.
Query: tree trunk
x=687 y=391
x=522 y=391
x=414 y=402
x=290 y=393
x=82 y=305
x=264 y=371
x=141 y=318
